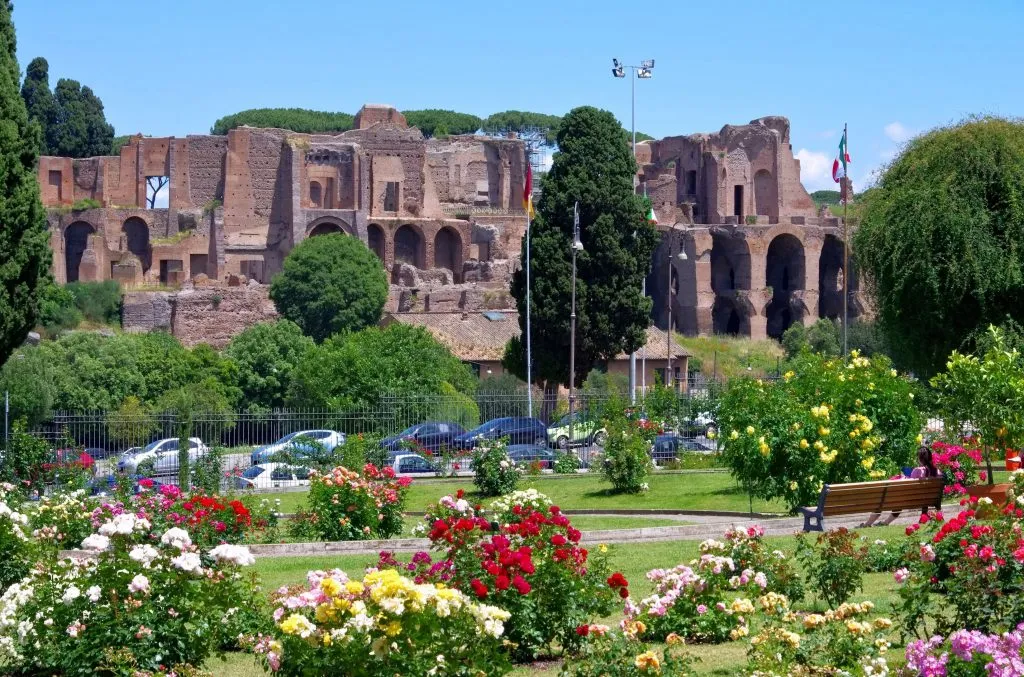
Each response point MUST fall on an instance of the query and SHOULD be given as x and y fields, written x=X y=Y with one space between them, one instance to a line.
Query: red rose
x=478 y=588
x=583 y=630
x=502 y=582
x=146 y=482
x=460 y=493
x=554 y=510
x=521 y=584
x=623 y=593
x=558 y=540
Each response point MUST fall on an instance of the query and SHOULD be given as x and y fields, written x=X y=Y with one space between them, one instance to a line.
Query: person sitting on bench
x=925 y=468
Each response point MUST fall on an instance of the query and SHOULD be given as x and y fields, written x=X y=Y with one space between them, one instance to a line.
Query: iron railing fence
x=107 y=436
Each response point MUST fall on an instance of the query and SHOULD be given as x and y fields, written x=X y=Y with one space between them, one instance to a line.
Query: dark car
x=667 y=447
x=528 y=453
x=430 y=436
x=518 y=430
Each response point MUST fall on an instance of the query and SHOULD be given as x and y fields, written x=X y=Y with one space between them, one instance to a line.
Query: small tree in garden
x=825 y=421
x=833 y=564
x=627 y=458
x=985 y=394
x=132 y=424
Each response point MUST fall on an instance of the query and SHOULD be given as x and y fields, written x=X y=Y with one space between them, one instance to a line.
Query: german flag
x=528 y=190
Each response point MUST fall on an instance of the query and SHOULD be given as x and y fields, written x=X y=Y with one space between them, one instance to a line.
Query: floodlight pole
x=576 y=245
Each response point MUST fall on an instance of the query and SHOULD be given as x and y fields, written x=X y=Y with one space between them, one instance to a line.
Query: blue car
x=518 y=430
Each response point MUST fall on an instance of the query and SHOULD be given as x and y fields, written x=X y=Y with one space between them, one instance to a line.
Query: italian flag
x=839 y=164
x=651 y=217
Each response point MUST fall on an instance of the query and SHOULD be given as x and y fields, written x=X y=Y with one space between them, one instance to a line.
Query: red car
x=72 y=457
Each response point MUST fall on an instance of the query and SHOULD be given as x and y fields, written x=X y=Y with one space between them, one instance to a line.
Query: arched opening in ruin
x=315 y=193
x=728 y=316
x=784 y=274
x=830 y=278
x=409 y=246
x=76 y=241
x=136 y=234
x=764 y=194
x=730 y=264
x=327 y=228
x=375 y=239
x=448 y=251
x=683 y=282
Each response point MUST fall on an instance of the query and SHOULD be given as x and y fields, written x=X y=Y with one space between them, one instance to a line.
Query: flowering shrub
x=382 y=625
x=976 y=565
x=16 y=552
x=968 y=652
x=165 y=599
x=825 y=422
x=344 y=506
x=627 y=457
x=880 y=556
x=566 y=463
x=840 y=641
x=528 y=562
x=699 y=601
x=745 y=545
x=833 y=565
x=959 y=467
x=624 y=654
x=494 y=472
x=61 y=520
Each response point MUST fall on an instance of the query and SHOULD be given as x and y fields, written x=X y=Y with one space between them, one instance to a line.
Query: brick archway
x=136 y=234
x=448 y=251
x=410 y=246
x=76 y=241
x=785 y=273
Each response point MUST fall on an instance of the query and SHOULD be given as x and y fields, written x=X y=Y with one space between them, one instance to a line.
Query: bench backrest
x=881 y=496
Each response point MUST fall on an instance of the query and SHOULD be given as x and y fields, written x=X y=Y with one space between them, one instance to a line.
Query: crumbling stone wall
x=200 y=315
x=207 y=156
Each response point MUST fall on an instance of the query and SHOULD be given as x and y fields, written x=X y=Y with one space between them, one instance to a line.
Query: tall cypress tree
x=35 y=91
x=24 y=249
x=594 y=166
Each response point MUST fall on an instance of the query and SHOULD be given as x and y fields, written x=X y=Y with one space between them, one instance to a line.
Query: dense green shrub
x=627 y=457
x=99 y=302
x=266 y=354
x=294 y=119
x=494 y=474
x=833 y=565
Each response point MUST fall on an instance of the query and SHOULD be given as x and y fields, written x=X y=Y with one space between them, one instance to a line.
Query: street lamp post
x=682 y=257
x=643 y=72
x=577 y=246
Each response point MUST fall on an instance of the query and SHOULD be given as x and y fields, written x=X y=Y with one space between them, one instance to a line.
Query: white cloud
x=827 y=134
x=897 y=132
x=816 y=170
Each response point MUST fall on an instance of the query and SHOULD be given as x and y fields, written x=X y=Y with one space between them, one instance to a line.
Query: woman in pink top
x=925 y=468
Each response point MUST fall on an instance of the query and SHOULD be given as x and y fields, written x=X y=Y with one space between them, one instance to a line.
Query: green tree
x=80 y=128
x=38 y=98
x=941 y=237
x=521 y=122
x=266 y=354
x=330 y=284
x=199 y=409
x=24 y=249
x=359 y=371
x=28 y=378
x=294 y=119
x=594 y=166
x=132 y=424
x=821 y=337
x=431 y=121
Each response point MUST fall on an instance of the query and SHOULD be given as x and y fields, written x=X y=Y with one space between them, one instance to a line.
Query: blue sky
x=889 y=69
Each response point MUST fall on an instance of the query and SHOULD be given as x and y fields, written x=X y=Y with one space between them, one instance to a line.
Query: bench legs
x=812 y=521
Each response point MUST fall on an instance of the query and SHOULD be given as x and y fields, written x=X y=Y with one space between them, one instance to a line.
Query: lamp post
x=682 y=257
x=643 y=72
x=577 y=246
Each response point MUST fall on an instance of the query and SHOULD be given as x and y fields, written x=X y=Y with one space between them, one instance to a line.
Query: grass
x=668 y=491
x=729 y=356
x=633 y=560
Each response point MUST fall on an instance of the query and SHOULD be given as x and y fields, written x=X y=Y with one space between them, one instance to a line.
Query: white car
x=272 y=476
x=163 y=453
x=328 y=438
x=408 y=464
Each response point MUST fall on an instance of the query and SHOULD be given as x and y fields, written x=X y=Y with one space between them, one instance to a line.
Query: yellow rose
x=793 y=485
x=733 y=435
x=673 y=639
x=868 y=462
x=647 y=661
x=804 y=444
x=823 y=431
x=750 y=430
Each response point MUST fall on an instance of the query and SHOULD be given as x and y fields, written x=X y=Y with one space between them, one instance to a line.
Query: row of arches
x=76 y=242
x=409 y=246
x=785 y=275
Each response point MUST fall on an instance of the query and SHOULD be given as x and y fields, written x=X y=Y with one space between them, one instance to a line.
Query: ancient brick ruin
x=444 y=216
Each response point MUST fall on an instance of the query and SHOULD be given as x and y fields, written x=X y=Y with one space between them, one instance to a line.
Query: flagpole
x=529 y=347
x=846 y=244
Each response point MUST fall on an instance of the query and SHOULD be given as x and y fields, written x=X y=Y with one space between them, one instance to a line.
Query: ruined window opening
x=391 y=196
x=737 y=200
x=329 y=195
x=157 y=192
x=55 y=179
x=691 y=182
x=375 y=238
x=314 y=193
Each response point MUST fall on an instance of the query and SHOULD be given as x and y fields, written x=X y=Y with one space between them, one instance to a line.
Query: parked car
x=408 y=464
x=328 y=438
x=430 y=436
x=585 y=431
x=163 y=453
x=528 y=453
x=65 y=457
x=518 y=430
x=667 y=447
x=703 y=424
x=272 y=476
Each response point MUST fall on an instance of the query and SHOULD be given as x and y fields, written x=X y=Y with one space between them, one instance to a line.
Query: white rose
x=144 y=554
x=188 y=562
x=233 y=554
x=71 y=594
x=93 y=593
x=176 y=537
x=139 y=584
x=96 y=542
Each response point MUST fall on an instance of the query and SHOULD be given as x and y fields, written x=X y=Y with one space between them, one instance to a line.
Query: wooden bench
x=882 y=496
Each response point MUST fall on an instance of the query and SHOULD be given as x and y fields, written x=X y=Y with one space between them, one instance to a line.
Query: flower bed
x=383 y=625
x=528 y=562
x=347 y=506
x=130 y=609
x=959 y=467
x=968 y=652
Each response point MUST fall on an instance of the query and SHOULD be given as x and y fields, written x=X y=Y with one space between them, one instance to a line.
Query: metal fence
x=106 y=436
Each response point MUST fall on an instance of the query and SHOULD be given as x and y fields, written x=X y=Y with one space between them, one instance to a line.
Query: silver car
x=163 y=453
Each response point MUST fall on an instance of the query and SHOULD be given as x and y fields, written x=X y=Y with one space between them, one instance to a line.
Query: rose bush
x=833 y=565
x=626 y=459
x=494 y=473
x=968 y=653
x=526 y=560
x=129 y=608
x=842 y=641
x=746 y=547
x=823 y=422
x=959 y=467
x=624 y=654
x=16 y=549
x=346 y=506
x=382 y=625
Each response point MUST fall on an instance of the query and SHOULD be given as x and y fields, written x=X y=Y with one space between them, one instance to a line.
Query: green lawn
x=633 y=560
x=669 y=491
